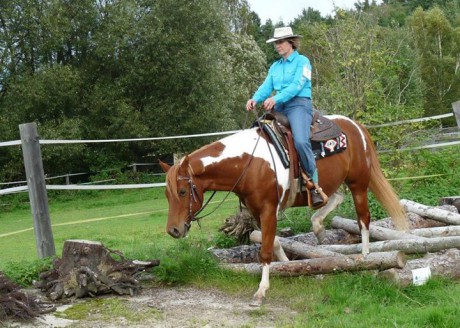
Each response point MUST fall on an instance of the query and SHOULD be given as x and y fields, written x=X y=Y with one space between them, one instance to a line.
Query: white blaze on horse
x=248 y=165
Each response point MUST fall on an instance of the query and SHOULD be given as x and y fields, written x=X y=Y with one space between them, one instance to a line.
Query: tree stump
x=240 y=226
x=87 y=268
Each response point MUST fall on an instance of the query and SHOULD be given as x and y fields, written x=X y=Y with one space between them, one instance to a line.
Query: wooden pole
x=37 y=189
x=373 y=261
x=456 y=109
x=408 y=246
x=375 y=232
x=431 y=212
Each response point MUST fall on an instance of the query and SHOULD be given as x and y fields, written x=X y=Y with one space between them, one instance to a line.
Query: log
x=445 y=263
x=238 y=254
x=331 y=237
x=373 y=261
x=300 y=249
x=408 y=246
x=437 y=232
x=375 y=232
x=454 y=201
x=87 y=268
x=415 y=222
x=431 y=212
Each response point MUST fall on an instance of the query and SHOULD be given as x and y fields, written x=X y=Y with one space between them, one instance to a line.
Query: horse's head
x=185 y=197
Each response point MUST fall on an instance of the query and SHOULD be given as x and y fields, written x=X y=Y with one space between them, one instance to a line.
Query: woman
x=290 y=77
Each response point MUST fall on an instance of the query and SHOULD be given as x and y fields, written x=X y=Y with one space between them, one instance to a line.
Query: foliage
x=27 y=272
x=142 y=68
x=187 y=262
x=439 y=45
x=223 y=240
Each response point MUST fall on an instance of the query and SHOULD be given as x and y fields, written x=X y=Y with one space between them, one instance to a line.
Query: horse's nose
x=174 y=232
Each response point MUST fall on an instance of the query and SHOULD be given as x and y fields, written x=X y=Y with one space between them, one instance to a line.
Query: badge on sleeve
x=307 y=72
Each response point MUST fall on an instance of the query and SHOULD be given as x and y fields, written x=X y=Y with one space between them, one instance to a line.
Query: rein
x=194 y=197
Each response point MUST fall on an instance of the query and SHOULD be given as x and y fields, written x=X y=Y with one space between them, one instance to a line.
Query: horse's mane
x=171 y=180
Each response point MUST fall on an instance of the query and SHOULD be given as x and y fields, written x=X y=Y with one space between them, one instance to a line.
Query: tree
x=438 y=44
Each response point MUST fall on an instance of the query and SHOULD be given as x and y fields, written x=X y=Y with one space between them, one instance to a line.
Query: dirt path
x=174 y=307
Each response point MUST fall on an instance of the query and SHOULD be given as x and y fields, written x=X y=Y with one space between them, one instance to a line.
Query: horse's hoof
x=320 y=236
x=257 y=301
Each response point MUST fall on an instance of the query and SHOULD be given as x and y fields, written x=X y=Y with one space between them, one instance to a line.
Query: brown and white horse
x=248 y=165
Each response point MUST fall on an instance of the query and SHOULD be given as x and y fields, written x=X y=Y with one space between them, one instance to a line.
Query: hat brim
x=283 y=37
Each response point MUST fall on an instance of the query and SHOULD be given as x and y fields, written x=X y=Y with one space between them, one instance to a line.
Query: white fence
x=69 y=186
x=37 y=184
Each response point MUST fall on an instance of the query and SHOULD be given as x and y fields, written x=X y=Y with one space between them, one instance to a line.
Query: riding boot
x=318 y=197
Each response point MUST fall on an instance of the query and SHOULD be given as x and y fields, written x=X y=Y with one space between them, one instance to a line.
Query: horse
x=246 y=164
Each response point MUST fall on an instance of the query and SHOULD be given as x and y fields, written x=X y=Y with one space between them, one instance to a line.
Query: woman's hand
x=269 y=103
x=251 y=104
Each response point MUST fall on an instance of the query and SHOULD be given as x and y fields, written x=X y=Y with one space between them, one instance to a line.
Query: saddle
x=326 y=138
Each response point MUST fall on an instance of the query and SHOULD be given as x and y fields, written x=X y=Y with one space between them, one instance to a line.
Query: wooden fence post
x=456 y=108
x=37 y=189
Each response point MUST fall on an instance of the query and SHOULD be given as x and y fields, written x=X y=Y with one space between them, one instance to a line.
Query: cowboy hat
x=283 y=33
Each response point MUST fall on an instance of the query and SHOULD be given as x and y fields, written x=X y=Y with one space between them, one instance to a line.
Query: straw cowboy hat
x=283 y=33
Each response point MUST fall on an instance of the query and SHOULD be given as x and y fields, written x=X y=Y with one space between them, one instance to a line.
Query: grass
x=134 y=222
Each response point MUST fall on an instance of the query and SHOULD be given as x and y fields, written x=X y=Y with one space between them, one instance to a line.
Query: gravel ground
x=178 y=307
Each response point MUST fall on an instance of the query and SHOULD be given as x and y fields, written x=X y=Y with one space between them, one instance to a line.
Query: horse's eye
x=182 y=192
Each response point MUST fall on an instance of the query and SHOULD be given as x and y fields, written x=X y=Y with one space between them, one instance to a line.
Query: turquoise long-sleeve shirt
x=289 y=78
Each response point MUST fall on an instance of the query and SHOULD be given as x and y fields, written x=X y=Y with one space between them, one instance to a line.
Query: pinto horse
x=247 y=165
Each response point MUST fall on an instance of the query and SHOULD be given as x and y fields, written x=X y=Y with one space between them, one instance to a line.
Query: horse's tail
x=384 y=192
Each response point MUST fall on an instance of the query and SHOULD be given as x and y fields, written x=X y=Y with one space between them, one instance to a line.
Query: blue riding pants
x=299 y=111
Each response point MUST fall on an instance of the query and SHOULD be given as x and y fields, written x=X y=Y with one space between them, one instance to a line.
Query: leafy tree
x=438 y=44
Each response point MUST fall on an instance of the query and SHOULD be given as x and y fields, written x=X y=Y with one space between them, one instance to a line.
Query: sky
x=287 y=10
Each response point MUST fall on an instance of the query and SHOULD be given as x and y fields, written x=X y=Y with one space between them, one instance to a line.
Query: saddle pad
x=329 y=147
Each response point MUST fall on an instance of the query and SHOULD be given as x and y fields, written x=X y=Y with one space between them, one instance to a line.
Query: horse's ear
x=165 y=166
x=197 y=167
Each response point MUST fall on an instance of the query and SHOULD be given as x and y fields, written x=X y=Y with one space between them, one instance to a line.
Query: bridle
x=194 y=195
x=194 y=198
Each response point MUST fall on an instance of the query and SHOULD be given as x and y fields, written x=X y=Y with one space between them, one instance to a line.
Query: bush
x=24 y=273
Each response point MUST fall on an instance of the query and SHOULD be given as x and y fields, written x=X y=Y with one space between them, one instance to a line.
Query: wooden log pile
x=434 y=234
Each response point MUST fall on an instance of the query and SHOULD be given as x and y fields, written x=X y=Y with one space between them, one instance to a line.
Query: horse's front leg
x=364 y=217
x=268 y=227
x=318 y=217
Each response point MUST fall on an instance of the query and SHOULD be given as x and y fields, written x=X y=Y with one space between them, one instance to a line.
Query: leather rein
x=194 y=195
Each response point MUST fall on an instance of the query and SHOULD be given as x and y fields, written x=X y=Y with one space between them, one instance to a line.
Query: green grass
x=134 y=223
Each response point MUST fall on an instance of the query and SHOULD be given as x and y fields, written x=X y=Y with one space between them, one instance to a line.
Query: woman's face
x=284 y=48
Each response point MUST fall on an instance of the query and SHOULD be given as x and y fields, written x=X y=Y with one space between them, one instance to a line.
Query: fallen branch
x=373 y=261
x=431 y=212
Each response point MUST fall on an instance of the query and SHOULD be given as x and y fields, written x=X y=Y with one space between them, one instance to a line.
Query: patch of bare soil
x=179 y=307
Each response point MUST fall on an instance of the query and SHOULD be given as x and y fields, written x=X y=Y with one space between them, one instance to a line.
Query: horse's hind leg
x=318 y=217
x=361 y=202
